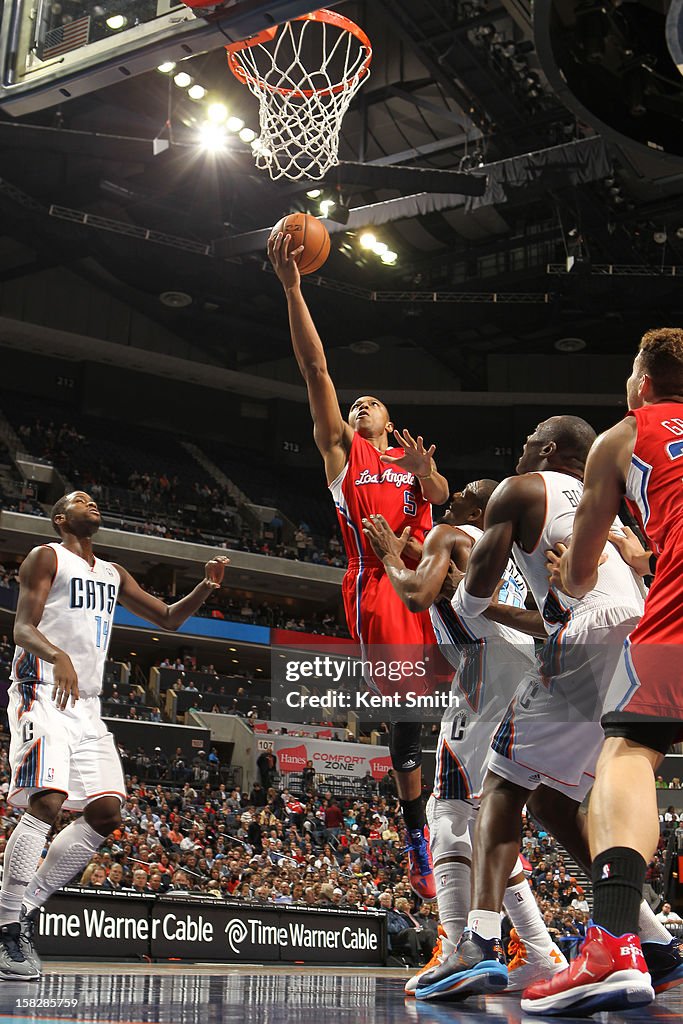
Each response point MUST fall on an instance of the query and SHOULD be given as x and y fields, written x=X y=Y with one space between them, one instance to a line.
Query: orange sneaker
x=531 y=963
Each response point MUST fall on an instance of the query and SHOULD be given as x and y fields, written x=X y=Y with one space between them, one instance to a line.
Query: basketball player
x=639 y=458
x=550 y=738
x=365 y=475
x=490 y=659
x=61 y=754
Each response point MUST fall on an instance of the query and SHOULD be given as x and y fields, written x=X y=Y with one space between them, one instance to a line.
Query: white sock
x=649 y=928
x=522 y=909
x=453 y=897
x=22 y=853
x=69 y=853
x=486 y=923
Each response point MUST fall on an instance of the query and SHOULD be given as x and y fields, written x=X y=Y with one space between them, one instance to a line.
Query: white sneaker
x=443 y=947
x=531 y=963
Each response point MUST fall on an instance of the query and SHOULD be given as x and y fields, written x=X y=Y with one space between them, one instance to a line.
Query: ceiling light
x=367 y=240
x=235 y=661
x=133 y=654
x=211 y=137
x=233 y=650
x=259 y=146
x=679 y=232
x=570 y=344
x=234 y=124
x=314 y=193
x=167 y=67
x=155 y=639
x=325 y=206
x=379 y=248
x=389 y=257
x=175 y=300
x=660 y=236
x=196 y=92
x=116 y=22
x=218 y=113
x=182 y=79
x=259 y=669
x=247 y=135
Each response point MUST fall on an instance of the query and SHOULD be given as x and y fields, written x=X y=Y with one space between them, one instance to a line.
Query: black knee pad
x=405 y=745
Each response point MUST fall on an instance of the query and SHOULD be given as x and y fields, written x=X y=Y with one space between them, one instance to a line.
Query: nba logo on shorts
x=606 y=868
x=50 y=774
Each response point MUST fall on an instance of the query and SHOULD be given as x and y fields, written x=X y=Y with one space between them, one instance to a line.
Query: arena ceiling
x=466 y=86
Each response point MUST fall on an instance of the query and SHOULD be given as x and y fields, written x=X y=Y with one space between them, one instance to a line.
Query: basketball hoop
x=301 y=110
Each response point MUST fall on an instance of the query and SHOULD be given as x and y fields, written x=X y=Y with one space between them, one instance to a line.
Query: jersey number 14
x=102 y=631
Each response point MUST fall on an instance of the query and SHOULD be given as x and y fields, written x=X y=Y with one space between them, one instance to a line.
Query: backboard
x=53 y=52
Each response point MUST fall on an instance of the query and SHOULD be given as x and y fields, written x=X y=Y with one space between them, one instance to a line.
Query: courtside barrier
x=86 y=923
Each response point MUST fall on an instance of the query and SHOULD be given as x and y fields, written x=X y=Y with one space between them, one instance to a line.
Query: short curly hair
x=661 y=358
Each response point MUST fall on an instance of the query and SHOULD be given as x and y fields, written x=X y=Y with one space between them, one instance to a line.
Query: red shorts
x=388 y=632
x=653 y=663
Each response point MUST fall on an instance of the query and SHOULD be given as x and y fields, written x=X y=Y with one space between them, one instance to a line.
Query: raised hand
x=382 y=538
x=417 y=460
x=214 y=570
x=283 y=261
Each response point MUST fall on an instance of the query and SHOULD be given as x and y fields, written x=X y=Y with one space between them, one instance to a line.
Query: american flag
x=65 y=38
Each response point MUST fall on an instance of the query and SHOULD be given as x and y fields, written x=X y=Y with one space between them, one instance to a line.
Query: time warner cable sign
x=187 y=928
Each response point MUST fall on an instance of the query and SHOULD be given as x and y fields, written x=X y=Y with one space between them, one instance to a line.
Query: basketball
x=312 y=234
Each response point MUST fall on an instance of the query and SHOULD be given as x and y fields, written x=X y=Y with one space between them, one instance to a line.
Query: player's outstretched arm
x=490 y=554
x=332 y=433
x=420 y=461
x=604 y=485
x=170 y=617
x=35 y=579
x=417 y=588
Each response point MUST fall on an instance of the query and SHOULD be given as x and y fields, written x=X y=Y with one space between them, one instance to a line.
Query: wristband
x=653 y=564
x=467 y=604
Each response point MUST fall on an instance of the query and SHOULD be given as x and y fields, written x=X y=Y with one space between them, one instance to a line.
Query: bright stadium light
x=379 y=248
x=389 y=257
x=116 y=22
x=211 y=137
x=167 y=67
x=367 y=240
x=234 y=124
x=314 y=193
x=182 y=79
x=247 y=135
x=196 y=92
x=325 y=206
x=218 y=113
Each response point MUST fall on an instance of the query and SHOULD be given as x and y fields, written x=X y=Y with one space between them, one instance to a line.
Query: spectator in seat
x=668 y=916
x=114 y=882
x=140 y=881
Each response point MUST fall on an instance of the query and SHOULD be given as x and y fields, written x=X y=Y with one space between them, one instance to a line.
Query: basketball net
x=301 y=109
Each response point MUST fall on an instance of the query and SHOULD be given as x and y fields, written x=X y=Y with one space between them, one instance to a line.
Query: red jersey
x=367 y=486
x=654 y=488
x=376 y=616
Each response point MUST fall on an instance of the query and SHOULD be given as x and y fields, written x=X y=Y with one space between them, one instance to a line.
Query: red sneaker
x=420 y=864
x=609 y=973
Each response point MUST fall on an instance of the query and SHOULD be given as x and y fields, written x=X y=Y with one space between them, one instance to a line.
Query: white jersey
x=490 y=659
x=454 y=631
x=617 y=586
x=77 y=617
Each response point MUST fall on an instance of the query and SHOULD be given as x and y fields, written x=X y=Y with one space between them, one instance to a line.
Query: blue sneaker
x=665 y=963
x=477 y=967
x=420 y=866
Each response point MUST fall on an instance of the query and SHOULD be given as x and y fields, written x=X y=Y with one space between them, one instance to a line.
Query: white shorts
x=487 y=678
x=451 y=828
x=70 y=751
x=551 y=735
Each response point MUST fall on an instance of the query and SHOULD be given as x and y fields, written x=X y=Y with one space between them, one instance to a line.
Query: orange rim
x=267 y=35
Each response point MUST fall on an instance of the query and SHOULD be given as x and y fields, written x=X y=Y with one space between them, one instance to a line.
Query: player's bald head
x=572 y=436
x=560 y=443
x=481 y=491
